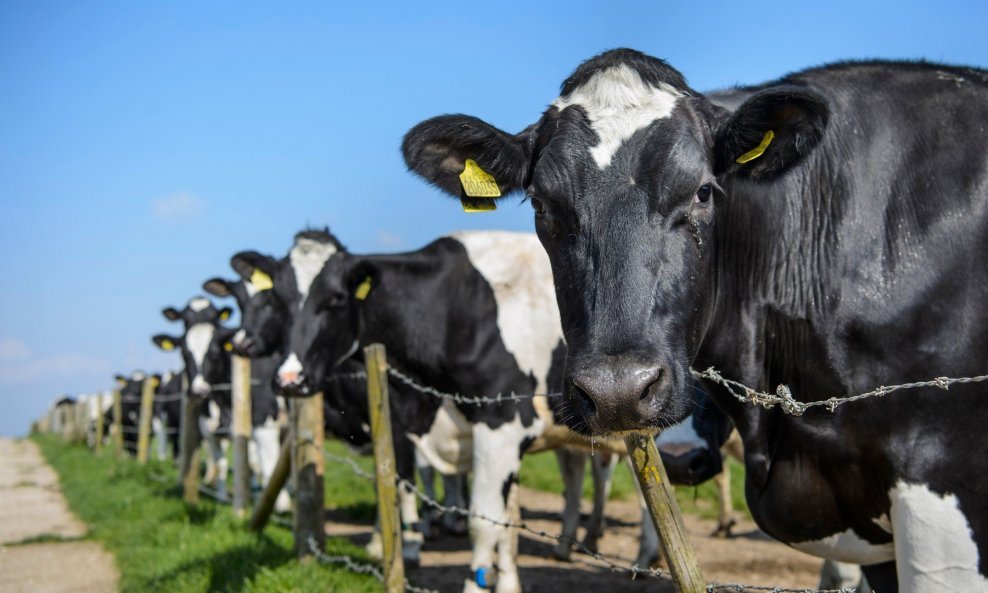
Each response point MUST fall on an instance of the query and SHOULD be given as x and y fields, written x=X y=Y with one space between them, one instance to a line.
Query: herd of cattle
x=826 y=231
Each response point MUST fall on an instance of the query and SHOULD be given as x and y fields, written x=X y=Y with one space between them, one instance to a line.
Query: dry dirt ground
x=748 y=557
x=32 y=509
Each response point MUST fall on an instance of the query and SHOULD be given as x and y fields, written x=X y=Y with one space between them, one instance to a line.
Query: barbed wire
x=358 y=567
x=784 y=399
x=612 y=562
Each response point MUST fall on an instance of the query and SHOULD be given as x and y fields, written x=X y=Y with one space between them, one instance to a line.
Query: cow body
x=825 y=231
x=167 y=414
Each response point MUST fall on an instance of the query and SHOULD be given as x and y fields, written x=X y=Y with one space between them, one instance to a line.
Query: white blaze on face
x=199 y=304
x=197 y=340
x=308 y=257
x=619 y=103
x=239 y=337
x=517 y=269
x=289 y=370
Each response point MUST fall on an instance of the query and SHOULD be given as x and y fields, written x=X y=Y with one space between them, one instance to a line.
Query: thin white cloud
x=389 y=240
x=18 y=365
x=179 y=207
x=11 y=349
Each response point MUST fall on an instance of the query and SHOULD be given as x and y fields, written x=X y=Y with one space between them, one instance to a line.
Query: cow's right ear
x=467 y=157
x=121 y=380
x=247 y=263
x=166 y=343
x=217 y=287
x=171 y=314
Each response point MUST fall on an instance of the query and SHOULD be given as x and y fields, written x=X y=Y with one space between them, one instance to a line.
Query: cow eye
x=538 y=206
x=703 y=194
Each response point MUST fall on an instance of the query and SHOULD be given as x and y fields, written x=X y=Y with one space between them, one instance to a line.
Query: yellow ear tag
x=757 y=151
x=167 y=345
x=260 y=280
x=155 y=382
x=363 y=289
x=228 y=347
x=479 y=187
x=224 y=315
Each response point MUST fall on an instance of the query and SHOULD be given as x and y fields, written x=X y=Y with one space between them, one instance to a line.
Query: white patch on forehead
x=199 y=304
x=934 y=546
x=516 y=267
x=308 y=257
x=138 y=376
x=197 y=340
x=619 y=103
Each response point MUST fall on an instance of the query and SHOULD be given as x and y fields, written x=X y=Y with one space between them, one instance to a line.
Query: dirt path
x=32 y=509
x=749 y=557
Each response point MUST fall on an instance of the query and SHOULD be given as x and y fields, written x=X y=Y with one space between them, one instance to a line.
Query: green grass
x=161 y=545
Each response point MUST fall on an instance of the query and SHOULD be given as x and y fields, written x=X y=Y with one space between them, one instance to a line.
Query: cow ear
x=246 y=263
x=171 y=314
x=166 y=343
x=770 y=133
x=361 y=279
x=217 y=287
x=121 y=380
x=467 y=157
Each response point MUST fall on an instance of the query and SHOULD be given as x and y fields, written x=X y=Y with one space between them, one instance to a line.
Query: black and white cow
x=167 y=413
x=826 y=231
x=204 y=349
x=471 y=313
x=130 y=407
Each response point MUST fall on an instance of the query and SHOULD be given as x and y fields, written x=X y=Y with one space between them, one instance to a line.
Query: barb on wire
x=464 y=399
x=358 y=567
x=784 y=399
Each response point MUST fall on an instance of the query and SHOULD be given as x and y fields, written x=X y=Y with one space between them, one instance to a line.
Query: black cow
x=826 y=231
x=204 y=346
x=130 y=407
x=167 y=413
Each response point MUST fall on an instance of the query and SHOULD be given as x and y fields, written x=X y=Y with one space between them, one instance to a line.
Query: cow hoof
x=562 y=552
x=724 y=531
x=375 y=548
x=411 y=563
x=590 y=543
x=507 y=583
x=456 y=526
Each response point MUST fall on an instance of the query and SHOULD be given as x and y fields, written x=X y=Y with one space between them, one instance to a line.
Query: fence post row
x=144 y=419
x=385 y=468
x=118 y=424
x=240 y=387
x=660 y=498
x=307 y=466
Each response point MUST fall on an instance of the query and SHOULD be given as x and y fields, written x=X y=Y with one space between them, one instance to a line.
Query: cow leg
x=267 y=445
x=160 y=438
x=882 y=577
x=603 y=469
x=455 y=495
x=429 y=515
x=571 y=464
x=934 y=546
x=411 y=537
x=725 y=511
x=496 y=461
x=842 y=575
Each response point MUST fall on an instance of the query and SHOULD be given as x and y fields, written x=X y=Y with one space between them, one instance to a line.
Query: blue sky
x=142 y=144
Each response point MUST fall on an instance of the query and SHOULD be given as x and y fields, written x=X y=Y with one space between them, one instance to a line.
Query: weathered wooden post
x=385 y=467
x=188 y=445
x=144 y=419
x=307 y=465
x=98 y=445
x=240 y=384
x=660 y=498
x=118 y=424
x=265 y=506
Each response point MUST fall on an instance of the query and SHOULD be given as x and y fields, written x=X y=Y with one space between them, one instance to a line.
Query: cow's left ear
x=171 y=313
x=770 y=133
x=166 y=343
x=467 y=157
x=217 y=287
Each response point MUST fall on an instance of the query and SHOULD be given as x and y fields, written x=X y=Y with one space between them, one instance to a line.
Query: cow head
x=262 y=314
x=325 y=332
x=624 y=172
x=205 y=345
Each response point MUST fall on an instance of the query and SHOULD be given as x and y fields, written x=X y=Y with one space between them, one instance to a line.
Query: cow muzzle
x=200 y=387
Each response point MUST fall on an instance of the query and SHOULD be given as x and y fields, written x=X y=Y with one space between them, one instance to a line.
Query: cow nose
x=291 y=379
x=200 y=386
x=692 y=467
x=618 y=395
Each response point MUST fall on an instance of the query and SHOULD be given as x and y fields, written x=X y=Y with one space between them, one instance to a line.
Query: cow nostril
x=653 y=385
x=696 y=463
x=584 y=403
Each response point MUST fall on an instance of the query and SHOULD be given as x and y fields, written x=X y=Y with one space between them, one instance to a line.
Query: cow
x=167 y=414
x=265 y=319
x=825 y=231
x=203 y=346
x=130 y=388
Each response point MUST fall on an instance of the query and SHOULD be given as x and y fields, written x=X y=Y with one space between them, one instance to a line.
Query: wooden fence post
x=188 y=445
x=240 y=385
x=307 y=465
x=660 y=498
x=118 y=424
x=264 y=506
x=385 y=467
x=98 y=445
x=144 y=420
